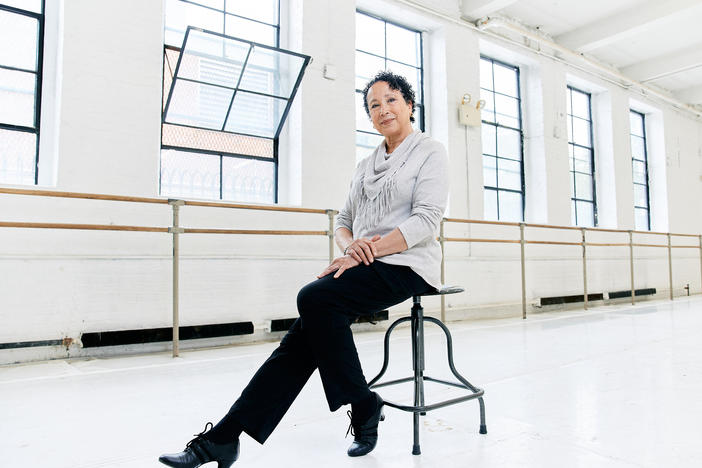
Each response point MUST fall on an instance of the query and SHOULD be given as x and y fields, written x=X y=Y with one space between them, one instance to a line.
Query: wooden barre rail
x=254 y=232
x=85 y=227
x=162 y=201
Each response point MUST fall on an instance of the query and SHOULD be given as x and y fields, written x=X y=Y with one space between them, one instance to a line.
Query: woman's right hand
x=363 y=250
x=339 y=265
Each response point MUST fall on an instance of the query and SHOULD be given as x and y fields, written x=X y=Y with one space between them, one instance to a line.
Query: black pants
x=321 y=339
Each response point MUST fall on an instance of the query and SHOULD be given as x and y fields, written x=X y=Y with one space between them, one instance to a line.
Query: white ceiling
x=656 y=42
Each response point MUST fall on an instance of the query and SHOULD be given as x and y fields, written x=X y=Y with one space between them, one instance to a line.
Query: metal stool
x=417 y=320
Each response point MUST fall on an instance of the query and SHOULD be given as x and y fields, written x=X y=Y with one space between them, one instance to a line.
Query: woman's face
x=388 y=110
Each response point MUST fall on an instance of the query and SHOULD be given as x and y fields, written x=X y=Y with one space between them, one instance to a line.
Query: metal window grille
x=21 y=62
x=198 y=158
x=383 y=45
x=502 y=141
x=581 y=158
x=639 y=166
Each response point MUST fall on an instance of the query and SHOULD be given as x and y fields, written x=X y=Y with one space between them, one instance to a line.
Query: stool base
x=417 y=320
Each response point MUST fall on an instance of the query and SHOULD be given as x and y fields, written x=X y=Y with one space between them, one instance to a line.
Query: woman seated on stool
x=387 y=232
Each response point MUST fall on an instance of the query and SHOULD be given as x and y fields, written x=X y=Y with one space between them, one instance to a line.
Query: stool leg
x=418 y=367
x=464 y=381
x=386 y=349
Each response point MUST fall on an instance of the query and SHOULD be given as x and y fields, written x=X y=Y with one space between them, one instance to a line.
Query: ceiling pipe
x=485 y=25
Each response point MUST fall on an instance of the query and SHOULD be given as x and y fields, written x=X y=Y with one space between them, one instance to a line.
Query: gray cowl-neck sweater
x=417 y=203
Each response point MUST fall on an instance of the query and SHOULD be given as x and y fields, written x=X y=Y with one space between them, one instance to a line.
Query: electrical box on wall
x=468 y=113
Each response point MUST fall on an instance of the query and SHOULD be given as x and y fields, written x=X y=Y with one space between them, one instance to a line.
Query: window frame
x=570 y=117
x=419 y=113
x=497 y=125
x=36 y=127
x=647 y=185
x=222 y=154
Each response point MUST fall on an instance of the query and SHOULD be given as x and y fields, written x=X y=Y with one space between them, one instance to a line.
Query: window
x=639 y=162
x=198 y=158
x=21 y=52
x=382 y=45
x=581 y=158
x=502 y=137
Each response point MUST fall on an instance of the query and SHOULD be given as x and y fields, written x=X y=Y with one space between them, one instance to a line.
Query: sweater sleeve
x=345 y=217
x=428 y=199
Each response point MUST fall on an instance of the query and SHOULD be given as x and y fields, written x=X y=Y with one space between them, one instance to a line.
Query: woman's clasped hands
x=362 y=250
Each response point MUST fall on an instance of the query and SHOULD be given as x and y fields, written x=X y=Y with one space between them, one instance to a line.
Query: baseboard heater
x=544 y=301
x=627 y=293
x=279 y=325
x=155 y=335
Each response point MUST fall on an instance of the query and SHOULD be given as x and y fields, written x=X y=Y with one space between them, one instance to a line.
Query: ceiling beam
x=692 y=95
x=666 y=65
x=476 y=9
x=637 y=20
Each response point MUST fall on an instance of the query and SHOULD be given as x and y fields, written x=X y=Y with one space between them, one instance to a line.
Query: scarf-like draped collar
x=377 y=188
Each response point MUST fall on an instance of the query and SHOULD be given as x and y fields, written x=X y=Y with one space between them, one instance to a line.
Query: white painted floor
x=611 y=387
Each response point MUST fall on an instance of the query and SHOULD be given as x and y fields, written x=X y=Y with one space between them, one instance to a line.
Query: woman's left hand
x=339 y=265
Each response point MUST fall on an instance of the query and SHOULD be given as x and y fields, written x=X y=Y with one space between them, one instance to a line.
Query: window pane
x=581 y=132
x=585 y=214
x=569 y=125
x=365 y=144
x=189 y=175
x=641 y=219
x=507 y=109
x=180 y=15
x=403 y=45
x=29 y=5
x=248 y=180
x=636 y=122
x=573 y=221
x=370 y=34
x=363 y=122
x=490 y=205
x=510 y=206
x=637 y=148
x=261 y=10
x=639 y=171
x=202 y=60
x=218 y=4
x=505 y=80
x=17 y=157
x=489 y=139
x=488 y=112
x=509 y=143
x=581 y=105
x=582 y=159
x=640 y=196
x=583 y=186
x=412 y=74
x=271 y=72
x=255 y=115
x=198 y=105
x=367 y=66
x=486 y=74
x=509 y=175
x=489 y=171
x=22 y=32
x=250 y=30
x=17 y=97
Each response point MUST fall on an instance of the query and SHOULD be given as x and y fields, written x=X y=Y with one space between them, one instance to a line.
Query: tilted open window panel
x=231 y=85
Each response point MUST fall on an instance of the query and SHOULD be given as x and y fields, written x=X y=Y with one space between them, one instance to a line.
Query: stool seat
x=443 y=291
x=420 y=408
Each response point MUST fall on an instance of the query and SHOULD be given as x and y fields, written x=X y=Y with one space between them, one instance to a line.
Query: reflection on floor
x=610 y=387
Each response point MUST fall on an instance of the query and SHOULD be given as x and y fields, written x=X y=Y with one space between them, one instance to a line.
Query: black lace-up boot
x=365 y=433
x=201 y=450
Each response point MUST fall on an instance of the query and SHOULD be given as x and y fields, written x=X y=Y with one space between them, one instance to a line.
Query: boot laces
x=208 y=426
